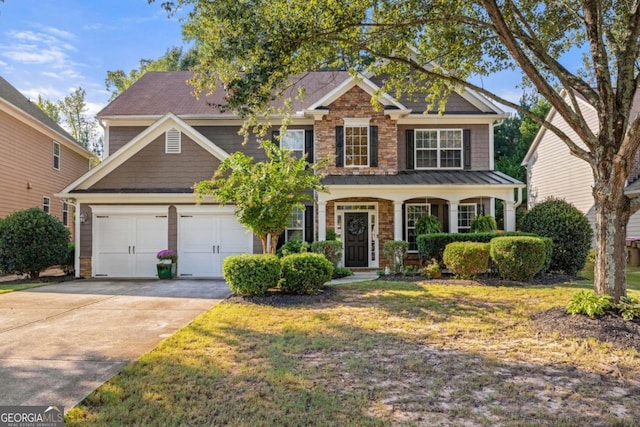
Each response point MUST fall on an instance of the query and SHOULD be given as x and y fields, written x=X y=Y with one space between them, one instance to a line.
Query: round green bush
x=567 y=227
x=466 y=259
x=305 y=273
x=32 y=241
x=331 y=249
x=518 y=258
x=483 y=224
x=251 y=275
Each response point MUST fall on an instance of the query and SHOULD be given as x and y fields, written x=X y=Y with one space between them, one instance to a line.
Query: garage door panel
x=196 y=265
x=234 y=237
x=197 y=234
x=151 y=235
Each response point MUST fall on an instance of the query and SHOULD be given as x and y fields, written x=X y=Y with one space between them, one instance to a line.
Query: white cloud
x=47 y=92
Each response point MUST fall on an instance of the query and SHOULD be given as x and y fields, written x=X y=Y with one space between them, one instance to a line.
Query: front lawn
x=10 y=287
x=376 y=353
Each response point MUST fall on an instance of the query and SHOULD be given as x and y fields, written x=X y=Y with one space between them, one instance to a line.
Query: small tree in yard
x=31 y=241
x=264 y=193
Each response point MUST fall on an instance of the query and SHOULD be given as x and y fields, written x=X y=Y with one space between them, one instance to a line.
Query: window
x=173 y=141
x=293 y=140
x=466 y=214
x=413 y=212
x=356 y=142
x=46 y=204
x=56 y=155
x=438 y=148
x=65 y=214
x=295 y=229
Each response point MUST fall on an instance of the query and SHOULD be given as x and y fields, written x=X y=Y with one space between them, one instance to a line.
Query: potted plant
x=166 y=264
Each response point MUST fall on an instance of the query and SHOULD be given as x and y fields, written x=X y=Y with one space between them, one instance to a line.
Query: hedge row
x=253 y=275
x=432 y=245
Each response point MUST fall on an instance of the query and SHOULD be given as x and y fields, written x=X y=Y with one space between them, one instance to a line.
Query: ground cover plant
x=379 y=353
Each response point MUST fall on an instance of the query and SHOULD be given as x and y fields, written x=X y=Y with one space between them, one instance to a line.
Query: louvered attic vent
x=173 y=141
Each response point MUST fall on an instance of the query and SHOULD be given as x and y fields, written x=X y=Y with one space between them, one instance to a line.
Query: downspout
x=491 y=142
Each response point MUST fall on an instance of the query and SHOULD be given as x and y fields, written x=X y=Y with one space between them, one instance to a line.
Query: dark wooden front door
x=356 y=240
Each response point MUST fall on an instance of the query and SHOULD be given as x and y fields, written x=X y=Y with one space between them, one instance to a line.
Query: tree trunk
x=612 y=215
x=264 y=240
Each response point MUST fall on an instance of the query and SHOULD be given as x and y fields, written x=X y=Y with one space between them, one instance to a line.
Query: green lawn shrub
x=305 y=273
x=340 y=272
x=483 y=224
x=548 y=255
x=31 y=241
x=518 y=257
x=432 y=245
x=432 y=270
x=567 y=227
x=395 y=251
x=466 y=259
x=331 y=249
x=251 y=275
x=589 y=304
x=293 y=246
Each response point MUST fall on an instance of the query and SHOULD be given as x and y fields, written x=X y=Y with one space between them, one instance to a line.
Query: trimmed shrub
x=483 y=224
x=305 y=273
x=518 y=258
x=428 y=224
x=395 y=251
x=466 y=259
x=294 y=246
x=331 y=234
x=432 y=245
x=548 y=255
x=331 y=249
x=339 y=272
x=251 y=275
x=31 y=241
x=567 y=227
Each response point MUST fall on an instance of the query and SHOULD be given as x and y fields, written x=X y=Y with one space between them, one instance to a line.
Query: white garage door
x=127 y=239
x=206 y=236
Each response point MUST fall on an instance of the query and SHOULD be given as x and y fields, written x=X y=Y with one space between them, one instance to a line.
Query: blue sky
x=52 y=47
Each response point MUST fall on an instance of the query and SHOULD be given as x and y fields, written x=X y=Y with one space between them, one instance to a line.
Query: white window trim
x=438 y=149
x=475 y=211
x=299 y=131
x=46 y=204
x=356 y=123
x=58 y=156
x=406 y=219
x=173 y=143
x=286 y=230
x=65 y=210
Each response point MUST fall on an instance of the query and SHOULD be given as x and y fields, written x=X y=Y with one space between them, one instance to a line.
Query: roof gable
x=363 y=83
x=168 y=121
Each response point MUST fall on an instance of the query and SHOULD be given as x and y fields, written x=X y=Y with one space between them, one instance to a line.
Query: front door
x=356 y=241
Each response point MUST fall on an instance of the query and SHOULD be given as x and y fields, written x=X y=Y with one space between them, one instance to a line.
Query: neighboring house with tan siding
x=39 y=158
x=553 y=172
x=387 y=166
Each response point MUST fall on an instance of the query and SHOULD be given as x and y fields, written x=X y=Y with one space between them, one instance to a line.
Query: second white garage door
x=206 y=236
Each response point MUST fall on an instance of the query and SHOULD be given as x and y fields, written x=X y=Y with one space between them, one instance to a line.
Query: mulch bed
x=278 y=299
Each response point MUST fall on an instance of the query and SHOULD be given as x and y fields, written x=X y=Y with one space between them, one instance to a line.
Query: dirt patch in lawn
x=278 y=299
x=608 y=328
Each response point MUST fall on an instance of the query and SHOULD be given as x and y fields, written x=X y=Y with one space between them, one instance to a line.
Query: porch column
x=322 y=220
x=397 y=220
x=509 y=216
x=453 y=216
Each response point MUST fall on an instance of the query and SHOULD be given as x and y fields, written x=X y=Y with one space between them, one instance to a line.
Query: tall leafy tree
x=437 y=45
x=265 y=192
x=174 y=59
x=50 y=108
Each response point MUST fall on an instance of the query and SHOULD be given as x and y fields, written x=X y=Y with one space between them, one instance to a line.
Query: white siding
x=553 y=171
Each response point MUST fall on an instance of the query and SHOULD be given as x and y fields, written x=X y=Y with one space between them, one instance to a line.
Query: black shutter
x=275 y=137
x=466 y=148
x=339 y=146
x=308 y=224
x=373 y=146
x=410 y=150
x=308 y=145
x=434 y=211
x=281 y=241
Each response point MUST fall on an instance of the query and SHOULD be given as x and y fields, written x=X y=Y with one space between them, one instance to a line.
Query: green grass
x=633 y=276
x=376 y=353
x=18 y=287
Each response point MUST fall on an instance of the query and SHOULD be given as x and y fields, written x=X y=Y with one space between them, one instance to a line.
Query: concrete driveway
x=60 y=342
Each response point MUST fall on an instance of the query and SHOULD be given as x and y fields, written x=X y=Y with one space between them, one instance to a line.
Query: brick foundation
x=85 y=267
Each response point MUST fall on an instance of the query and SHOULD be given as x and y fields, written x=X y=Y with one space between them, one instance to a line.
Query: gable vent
x=173 y=141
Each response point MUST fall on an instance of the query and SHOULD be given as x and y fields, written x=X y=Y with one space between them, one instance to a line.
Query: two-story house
x=39 y=158
x=388 y=164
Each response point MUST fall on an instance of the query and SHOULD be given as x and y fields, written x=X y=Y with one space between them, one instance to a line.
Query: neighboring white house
x=553 y=171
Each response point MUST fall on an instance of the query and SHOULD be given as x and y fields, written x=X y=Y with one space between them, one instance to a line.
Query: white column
x=453 y=216
x=322 y=220
x=76 y=224
x=509 y=216
x=397 y=220
x=492 y=207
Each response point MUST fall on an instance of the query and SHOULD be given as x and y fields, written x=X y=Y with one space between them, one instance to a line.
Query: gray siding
x=152 y=168
x=120 y=135
x=480 y=152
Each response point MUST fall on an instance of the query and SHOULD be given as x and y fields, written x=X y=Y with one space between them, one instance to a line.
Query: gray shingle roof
x=456 y=177
x=18 y=100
